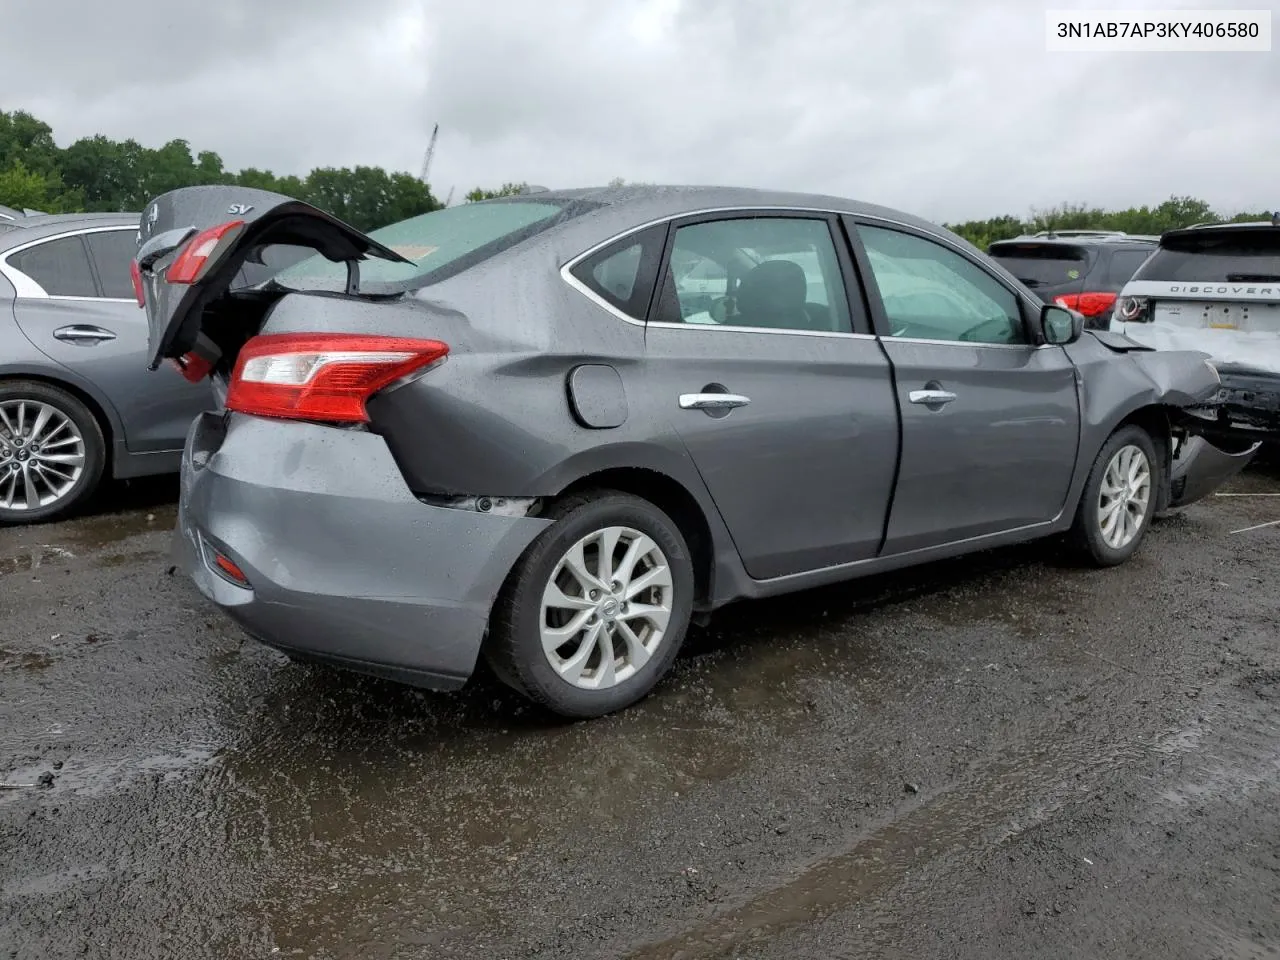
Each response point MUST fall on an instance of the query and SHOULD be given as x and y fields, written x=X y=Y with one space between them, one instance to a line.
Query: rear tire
x=1119 y=499
x=620 y=625
x=52 y=452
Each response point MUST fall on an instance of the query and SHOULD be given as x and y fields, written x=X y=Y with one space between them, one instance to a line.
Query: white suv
x=1215 y=288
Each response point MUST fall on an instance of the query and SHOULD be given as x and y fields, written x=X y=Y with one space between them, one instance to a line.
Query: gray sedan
x=554 y=429
x=75 y=401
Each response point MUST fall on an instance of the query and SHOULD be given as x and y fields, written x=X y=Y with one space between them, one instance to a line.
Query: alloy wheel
x=42 y=455
x=1125 y=496
x=606 y=608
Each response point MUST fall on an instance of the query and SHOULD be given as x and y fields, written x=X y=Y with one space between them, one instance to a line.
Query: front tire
x=52 y=452
x=594 y=613
x=1119 y=498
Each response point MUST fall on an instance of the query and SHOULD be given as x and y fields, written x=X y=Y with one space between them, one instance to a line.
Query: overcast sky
x=952 y=110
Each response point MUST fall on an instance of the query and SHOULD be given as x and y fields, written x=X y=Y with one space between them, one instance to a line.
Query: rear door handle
x=712 y=401
x=82 y=333
x=931 y=397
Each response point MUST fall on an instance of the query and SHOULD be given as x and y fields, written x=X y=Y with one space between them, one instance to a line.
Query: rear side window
x=112 y=251
x=439 y=244
x=1235 y=256
x=1124 y=263
x=60 y=266
x=1042 y=264
x=623 y=274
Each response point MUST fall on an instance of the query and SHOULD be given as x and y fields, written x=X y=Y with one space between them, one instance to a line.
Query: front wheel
x=594 y=613
x=1119 y=498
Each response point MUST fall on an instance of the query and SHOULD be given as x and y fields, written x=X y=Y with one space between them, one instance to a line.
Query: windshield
x=1041 y=265
x=440 y=243
x=1233 y=256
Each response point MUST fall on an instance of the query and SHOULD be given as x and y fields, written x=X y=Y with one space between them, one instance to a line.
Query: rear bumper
x=344 y=564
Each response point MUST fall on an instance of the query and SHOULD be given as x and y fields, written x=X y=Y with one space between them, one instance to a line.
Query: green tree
x=506 y=190
x=26 y=139
x=23 y=188
x=367 y=197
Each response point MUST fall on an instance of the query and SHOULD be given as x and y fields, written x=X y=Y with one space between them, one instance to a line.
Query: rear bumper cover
x=344 y=564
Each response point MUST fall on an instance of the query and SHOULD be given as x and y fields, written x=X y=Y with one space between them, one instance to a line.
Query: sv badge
x=239 y=209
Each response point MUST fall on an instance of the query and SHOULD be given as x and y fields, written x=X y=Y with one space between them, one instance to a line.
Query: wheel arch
x=676 y=501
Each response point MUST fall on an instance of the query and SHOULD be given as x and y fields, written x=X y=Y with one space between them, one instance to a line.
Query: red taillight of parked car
x=189 y=264
x=1089 y=304
x=135 y=273
x=325 y=377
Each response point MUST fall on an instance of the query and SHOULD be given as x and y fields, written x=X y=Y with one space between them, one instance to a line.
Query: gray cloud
x=952 y=110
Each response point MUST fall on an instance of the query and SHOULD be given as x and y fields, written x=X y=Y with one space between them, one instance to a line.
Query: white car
x=1216 y=288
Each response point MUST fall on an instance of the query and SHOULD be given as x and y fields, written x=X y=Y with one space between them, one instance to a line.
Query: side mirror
x=1060 y=326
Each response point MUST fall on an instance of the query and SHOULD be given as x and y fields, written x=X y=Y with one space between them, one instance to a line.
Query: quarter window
x=112 y=252
x=769 y=272
x=61 y=267
x=932 y=293
x=623 y=274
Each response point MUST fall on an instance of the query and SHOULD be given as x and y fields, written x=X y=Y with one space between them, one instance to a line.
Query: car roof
x=641 y=203
x=24 y=229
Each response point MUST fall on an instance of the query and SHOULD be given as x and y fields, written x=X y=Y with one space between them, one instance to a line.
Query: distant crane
x=431 y=152
x=449 y=199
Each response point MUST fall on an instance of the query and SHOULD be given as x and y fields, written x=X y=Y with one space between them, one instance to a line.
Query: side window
x=771 y=272
x=1124 y=264
x=930 y=292
x=61 y=267
x=112 y=251
x=624 y=274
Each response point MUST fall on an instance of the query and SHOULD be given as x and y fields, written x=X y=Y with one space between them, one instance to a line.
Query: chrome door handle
x=712 y=401
x=931 y=397
x=80 y=333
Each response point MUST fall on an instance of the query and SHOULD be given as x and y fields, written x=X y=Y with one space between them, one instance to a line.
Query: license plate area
x=1242 y=316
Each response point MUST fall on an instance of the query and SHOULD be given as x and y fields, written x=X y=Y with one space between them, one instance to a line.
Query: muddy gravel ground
x=1004 y=756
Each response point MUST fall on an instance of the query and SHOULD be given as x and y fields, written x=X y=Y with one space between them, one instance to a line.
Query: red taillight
x=190 y=262
x=192 y=366
x=1090 y=304
x=321 y=376
x=135 y=272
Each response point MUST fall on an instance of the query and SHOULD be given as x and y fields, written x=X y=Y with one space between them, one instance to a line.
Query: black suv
x=1080 y=269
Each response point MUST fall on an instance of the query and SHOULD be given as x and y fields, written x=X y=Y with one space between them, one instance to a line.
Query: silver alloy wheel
x=42 y=454
x=606 y=607
x=1124 y=497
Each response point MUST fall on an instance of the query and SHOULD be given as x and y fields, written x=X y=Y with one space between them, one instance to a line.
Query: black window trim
x=880 y=320
x=28 y=288
x=613 y=247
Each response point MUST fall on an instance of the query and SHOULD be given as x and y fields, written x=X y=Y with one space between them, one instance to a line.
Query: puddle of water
x=96 y=778
x=93 y=533
x=27 y=660
x=34 y=559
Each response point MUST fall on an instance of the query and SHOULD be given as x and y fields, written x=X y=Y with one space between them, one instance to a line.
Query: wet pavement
x=1003 y=756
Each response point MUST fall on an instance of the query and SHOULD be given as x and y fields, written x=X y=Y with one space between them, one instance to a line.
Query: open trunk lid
x=193 y=244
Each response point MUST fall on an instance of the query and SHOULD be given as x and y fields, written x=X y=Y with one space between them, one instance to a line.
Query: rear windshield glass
x=1235 y=257
x=439 y=244
x=1042 y=264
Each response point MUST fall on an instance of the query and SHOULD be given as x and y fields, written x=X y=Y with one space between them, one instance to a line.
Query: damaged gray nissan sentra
x=554 y=428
